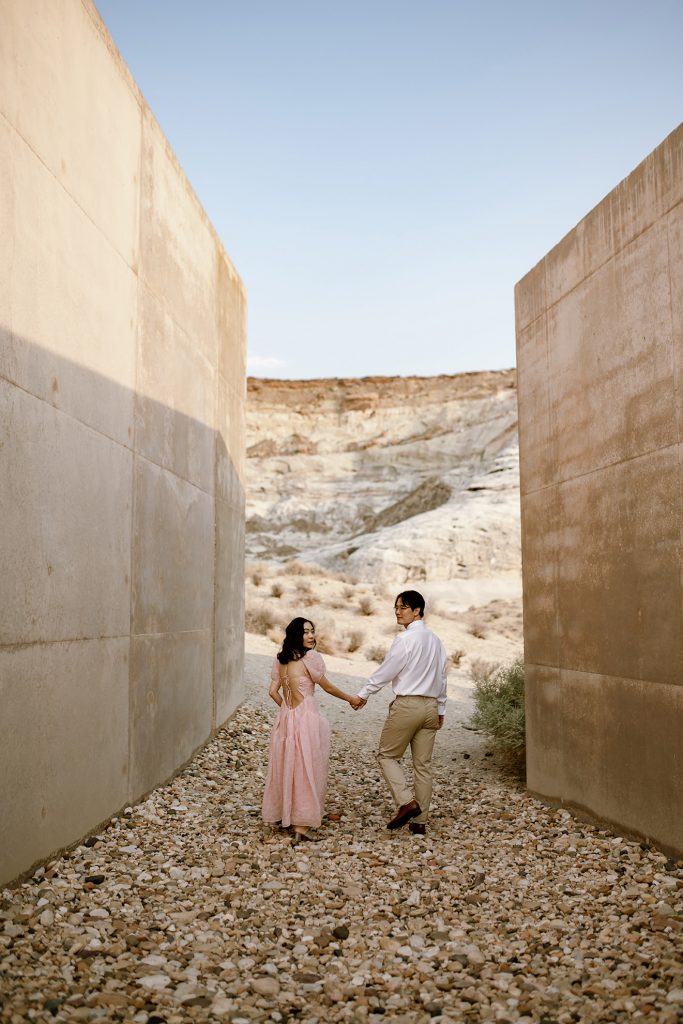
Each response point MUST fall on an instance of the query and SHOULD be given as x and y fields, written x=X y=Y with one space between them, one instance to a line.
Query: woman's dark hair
x=293 y=644
x=411 y=599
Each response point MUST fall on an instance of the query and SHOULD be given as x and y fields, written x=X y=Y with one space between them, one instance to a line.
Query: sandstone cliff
x=391 y=480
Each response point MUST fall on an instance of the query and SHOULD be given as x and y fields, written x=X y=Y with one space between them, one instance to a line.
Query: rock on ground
x=188 y=908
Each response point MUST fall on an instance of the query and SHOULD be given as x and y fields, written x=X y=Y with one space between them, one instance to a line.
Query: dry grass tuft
x=457 y=656
x=366 y=606
x=259 y=620
x=326 y=645
x=481 y=670
x=294 y=568
x=354 y=641
x=375 y=653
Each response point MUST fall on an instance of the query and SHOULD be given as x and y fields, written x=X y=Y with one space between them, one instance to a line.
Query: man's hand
x=360 y=704
x=441 y=718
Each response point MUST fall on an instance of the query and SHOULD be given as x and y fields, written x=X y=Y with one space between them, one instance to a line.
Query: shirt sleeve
x=441 y=699
x=388 y=670
x=315 y=666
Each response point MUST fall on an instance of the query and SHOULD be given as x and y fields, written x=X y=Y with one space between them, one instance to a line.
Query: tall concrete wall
x=122 y=391
x=600 y=378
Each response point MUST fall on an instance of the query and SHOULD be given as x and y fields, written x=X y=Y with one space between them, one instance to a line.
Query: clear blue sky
x=382 y=172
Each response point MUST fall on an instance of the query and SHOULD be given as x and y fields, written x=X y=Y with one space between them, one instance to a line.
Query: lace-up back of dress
x=296 y=683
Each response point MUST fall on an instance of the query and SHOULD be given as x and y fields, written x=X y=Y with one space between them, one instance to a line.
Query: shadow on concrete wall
x=121 y=619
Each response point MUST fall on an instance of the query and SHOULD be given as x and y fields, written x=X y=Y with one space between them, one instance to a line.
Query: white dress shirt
x=415 y=666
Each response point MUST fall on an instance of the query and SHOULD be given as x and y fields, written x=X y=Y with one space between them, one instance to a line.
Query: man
x=416 y=668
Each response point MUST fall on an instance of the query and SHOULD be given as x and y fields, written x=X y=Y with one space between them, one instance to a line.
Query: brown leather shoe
x=404 y=814
x=418 y=828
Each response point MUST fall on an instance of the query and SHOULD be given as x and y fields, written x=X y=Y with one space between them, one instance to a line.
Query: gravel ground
x=186 y=907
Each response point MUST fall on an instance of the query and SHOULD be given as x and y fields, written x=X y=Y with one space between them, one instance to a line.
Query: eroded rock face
x=396 y=478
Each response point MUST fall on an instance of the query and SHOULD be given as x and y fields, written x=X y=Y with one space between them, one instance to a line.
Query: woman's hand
x=356 y=702
x=274 y=692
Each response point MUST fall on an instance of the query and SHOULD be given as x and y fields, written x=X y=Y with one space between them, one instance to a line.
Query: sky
x=382 y=172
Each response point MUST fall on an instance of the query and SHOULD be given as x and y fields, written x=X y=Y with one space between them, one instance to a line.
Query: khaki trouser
x=414 y=721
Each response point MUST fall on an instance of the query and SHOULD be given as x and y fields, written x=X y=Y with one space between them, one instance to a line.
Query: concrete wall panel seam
x=66 y=191
x=599 y=469
x=676 y=321
x=604 y=676
x=66 y=413
x=600 y=266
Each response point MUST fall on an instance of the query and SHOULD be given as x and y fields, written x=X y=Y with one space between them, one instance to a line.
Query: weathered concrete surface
x=122 y=391
x=600 y=385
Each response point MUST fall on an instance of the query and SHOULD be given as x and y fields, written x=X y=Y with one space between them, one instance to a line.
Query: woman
x=300 y=742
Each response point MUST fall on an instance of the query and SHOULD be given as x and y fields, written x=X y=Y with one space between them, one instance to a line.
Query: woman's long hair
x=293 y=644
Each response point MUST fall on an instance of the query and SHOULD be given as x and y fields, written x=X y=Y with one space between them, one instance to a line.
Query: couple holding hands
x=416 y=665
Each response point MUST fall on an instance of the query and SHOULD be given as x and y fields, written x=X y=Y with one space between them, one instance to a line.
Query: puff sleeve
x=315 y=666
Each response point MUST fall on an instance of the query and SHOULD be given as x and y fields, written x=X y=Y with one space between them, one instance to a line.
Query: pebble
x=187 y=907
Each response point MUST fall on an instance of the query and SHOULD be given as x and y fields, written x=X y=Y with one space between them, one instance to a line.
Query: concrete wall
x=600 y=365
x=122 y=391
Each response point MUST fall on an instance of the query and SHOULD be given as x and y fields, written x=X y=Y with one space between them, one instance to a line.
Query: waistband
x=414 y=696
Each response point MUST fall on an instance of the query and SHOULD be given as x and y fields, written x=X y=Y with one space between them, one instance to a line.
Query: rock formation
x=392 y=479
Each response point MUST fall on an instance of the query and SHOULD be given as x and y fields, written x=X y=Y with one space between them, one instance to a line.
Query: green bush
x=499 y=706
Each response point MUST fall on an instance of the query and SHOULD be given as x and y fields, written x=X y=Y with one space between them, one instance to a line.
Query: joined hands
x=357 y=703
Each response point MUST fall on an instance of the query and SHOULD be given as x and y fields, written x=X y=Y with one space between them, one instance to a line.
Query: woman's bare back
x=291 y=675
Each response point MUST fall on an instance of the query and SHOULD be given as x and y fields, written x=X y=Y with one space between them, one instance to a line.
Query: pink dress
x=299 y=752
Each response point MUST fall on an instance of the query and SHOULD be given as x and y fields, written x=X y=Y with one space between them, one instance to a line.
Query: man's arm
x=441 y=699
x=388 y=670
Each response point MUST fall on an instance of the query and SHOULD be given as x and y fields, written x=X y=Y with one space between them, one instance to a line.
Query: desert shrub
x=480 y=669
x=344 y=577
x=259 y=620
x=499 y=707
x=348 y=593
x=303 y=589
x=477 y=630
x=443 y=612
x=276 y=590
x=256 y=579
x=295 y=568
x=366 y=606
x=375 y=653
x=326 y=645
x=457 y=656
x=354 y=640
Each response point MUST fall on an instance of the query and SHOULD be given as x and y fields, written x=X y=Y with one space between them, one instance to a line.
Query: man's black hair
x=412 y=600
